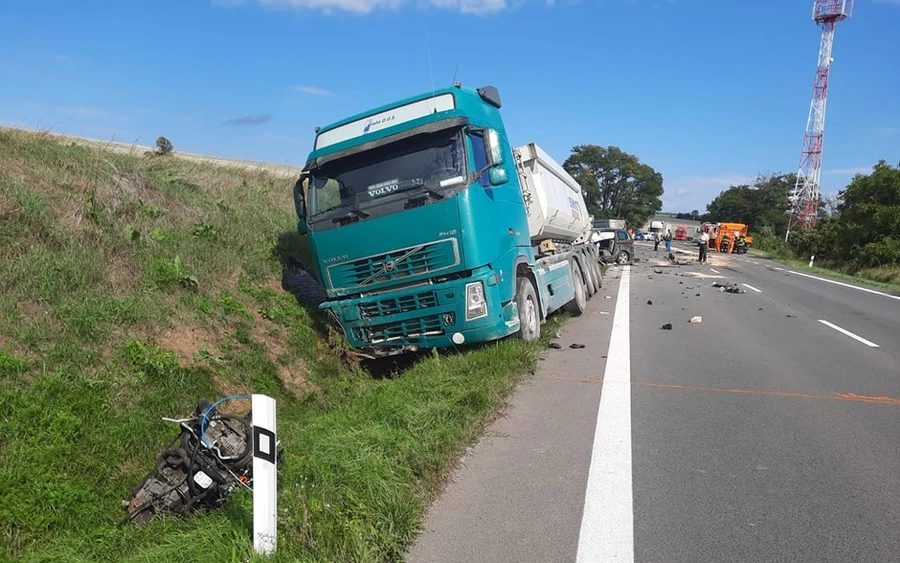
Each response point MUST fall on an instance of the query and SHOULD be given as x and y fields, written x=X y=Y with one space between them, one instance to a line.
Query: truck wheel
x=595 y=264
x=529 y=313
x=579 y=303
x=590 y=282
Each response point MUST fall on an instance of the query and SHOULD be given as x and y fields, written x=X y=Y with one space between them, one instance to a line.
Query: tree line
x=862 y=232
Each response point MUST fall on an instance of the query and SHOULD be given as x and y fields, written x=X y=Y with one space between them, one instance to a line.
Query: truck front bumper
x=425 y=316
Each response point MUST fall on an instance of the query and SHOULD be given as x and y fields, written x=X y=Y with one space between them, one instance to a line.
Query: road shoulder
x=517 y=495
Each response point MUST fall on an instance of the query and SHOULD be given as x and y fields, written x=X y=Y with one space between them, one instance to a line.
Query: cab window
x=479 y=156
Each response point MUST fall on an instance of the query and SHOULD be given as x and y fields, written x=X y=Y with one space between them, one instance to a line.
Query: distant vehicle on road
x=641 y=236
x=681 y=232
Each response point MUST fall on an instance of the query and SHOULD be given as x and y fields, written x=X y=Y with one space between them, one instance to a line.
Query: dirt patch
x=294 y=374
x=30 y=309
x=186 y=340
x=294 y=378
x=122 y=273
x=269 y=336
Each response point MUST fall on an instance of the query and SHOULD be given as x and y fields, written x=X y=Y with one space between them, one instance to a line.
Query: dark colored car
x=620 y=247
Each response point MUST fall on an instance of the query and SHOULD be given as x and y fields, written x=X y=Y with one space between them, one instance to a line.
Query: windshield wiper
x=351 y=211
x=429 y=191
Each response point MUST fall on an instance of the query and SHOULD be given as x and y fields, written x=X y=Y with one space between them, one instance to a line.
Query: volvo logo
x=389 y=266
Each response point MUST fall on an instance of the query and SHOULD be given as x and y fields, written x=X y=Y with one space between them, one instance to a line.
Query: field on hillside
x=130 y=287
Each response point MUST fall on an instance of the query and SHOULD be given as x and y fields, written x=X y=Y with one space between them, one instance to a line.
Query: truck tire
x=595 y=264
x=529 y=311
x=590 y=279
x=578 y=303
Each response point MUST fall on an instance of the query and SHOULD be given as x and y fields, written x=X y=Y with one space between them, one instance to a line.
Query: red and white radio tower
x=805 y=196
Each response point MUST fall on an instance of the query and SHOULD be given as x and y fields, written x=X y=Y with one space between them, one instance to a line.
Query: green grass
x=132 y=287
x=886 y=277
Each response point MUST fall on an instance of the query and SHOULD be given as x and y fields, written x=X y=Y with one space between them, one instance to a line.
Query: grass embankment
x=886 y=277
x=131 y=287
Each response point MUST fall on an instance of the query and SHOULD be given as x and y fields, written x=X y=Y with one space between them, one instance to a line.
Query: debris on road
x=575 y=346
x=697 y=295
x=649 y=302
x=657 y=270
x=604 y=312
x=729 y=287
x=667 y=326
x=555 y=346
x=696 y=319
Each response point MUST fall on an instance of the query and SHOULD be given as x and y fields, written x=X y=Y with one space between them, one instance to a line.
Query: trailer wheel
x=589 y=275
x=529 y=313
x=595 y=265
x=579 y=303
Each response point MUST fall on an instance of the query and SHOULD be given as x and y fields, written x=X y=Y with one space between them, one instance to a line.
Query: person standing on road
x=704 y=246
x=668 y=242
x=655 y=242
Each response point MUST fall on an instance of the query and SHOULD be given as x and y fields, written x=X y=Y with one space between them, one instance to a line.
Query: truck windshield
x=427 y=165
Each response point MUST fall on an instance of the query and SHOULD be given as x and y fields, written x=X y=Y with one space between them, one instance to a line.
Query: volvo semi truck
x=429 y=230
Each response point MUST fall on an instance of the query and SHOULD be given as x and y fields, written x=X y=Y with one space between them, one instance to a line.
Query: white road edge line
x=867 y=290
x=777 y=268
x=607 y=522
x=715 y=271
x=748 y=286
x=850 y=334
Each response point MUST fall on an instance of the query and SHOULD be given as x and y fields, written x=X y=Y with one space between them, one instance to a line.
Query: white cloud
x=312 y=90
x=367 y=6
x=694 y=192
x=848 y=171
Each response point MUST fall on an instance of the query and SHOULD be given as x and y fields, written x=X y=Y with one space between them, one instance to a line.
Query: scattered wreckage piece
x=201 y=468
x=729 y=287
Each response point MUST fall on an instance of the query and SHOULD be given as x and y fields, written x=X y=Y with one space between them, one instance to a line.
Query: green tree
x=869 y=216
x=615 y=183
x=763 y=204
x=164 y=146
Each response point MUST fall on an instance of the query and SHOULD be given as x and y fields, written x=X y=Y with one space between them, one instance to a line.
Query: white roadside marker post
x=265 y=500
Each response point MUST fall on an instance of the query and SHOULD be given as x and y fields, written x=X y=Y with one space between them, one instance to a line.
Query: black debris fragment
x=698 y=295
x=729 y=287
x=555 y=346
x=667 y=326
x=657 y=270
x=681 y=283
x=649 y=302
x=575 y=346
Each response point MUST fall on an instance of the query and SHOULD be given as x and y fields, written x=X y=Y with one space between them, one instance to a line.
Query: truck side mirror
x=498 y=176
x=493 y=148
x=301 y=189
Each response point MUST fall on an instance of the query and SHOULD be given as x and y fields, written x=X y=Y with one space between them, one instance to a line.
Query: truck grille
x=404 y=304
x=423 y=326
x=397 y=264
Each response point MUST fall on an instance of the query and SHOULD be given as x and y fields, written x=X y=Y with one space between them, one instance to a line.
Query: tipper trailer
x=429 y=230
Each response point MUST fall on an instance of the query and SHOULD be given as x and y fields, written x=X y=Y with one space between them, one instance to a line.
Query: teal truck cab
x=429 y=230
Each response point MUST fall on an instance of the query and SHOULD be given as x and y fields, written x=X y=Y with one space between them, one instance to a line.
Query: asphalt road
x=761 y=433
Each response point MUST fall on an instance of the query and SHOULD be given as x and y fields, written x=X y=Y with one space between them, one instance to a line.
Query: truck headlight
x=476 y=306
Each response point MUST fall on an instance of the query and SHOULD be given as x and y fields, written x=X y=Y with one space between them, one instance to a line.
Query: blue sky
x=708 y=92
